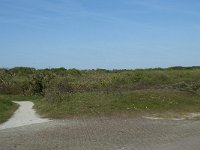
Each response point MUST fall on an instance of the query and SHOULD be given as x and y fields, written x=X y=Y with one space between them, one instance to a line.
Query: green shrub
x=192 y=87
x=75 y=72
x=56 y=90
x=7 y=83
x=37 y=83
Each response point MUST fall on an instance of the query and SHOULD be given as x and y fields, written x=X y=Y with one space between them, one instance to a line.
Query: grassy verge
x=148 y=101
x=95 y=104
x=7 y=108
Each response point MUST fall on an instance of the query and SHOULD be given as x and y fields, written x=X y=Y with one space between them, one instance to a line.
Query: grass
x=103 y=104
x=7 y=108
x=102 y=92
x=144 y=101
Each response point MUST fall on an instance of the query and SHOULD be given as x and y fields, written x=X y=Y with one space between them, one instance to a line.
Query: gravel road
x=102 y=133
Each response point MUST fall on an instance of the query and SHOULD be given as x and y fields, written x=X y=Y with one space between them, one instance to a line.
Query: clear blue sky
x=109 y=34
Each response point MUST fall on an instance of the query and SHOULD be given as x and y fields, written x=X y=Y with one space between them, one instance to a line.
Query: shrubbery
x=37 y=83
x=57 y=89
x=192 y=87
x=7 y=83
x=55 y=83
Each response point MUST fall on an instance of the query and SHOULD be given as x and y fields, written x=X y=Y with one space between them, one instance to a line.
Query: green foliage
x=7 y=108
x=7 y=83
x=30 y=81
x=192 y=87
x=92 y=103
x=65 y=92
x=37 y=83
x=56 y=90
x=75 y=72
x=22 y=71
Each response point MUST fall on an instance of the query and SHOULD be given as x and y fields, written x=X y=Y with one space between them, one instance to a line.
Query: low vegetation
x=60 y=92
x=91 y=104
x=6 y=108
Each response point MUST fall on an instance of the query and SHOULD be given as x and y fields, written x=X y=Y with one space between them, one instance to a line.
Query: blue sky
x=111 y=34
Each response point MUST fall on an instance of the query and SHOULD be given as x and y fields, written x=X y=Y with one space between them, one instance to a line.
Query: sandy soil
x=102 y=133
x=25 y=115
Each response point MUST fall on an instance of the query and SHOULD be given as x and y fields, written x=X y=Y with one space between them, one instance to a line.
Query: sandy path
x=25 y=115
x=102 y=133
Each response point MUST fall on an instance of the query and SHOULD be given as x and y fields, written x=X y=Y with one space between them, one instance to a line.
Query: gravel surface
x=102 y=133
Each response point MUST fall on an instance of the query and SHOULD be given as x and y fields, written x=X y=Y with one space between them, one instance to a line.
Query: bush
x=23 y=71
x=75 y=72
x=192 y=87
x=57 y=89
x=7 y=83
x=37 y=84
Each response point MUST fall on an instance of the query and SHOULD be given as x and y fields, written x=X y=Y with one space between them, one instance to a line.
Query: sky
x=91 y=34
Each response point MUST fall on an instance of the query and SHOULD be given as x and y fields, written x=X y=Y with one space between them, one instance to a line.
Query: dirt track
x=104 y=134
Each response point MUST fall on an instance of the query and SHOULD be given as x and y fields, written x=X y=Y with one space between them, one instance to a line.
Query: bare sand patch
x=172 y=116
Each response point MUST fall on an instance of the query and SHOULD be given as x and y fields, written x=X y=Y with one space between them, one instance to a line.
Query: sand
x=25 y=115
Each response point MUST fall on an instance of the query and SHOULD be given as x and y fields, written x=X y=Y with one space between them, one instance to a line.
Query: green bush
x=56 y=90
x=192 y=87
x=7 y=83
x=37 y=83
x=30 y=81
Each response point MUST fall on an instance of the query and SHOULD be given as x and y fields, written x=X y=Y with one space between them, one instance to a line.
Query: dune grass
x=94 y=104
x=107 y=104
x=7 y=108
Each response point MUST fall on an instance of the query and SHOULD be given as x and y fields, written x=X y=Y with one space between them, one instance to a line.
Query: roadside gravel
x=104 y=133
